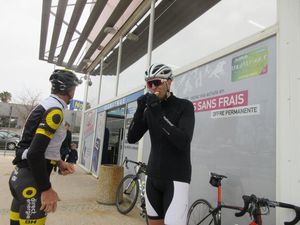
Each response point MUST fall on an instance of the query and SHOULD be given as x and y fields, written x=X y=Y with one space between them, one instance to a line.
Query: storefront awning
x=81 y=49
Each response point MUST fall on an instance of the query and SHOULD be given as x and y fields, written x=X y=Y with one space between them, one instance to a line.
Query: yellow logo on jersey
x=29 y=192
x=54 y=118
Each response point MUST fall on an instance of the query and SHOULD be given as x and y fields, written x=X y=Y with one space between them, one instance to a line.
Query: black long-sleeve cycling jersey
x=171 y=125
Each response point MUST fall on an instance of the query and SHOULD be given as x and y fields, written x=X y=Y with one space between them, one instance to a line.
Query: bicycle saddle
x=217 y=176
x=215 y=179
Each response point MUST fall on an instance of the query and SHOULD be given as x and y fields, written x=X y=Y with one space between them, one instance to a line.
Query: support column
x=151 y=31
x=118 y=66
x=100 y=81
x=86 y=78
x=288 y=107
x=149 y=58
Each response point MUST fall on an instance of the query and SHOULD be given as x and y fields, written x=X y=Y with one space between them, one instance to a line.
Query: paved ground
x=78 y=204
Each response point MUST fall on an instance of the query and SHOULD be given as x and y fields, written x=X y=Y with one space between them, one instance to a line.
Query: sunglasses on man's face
x=156 y=83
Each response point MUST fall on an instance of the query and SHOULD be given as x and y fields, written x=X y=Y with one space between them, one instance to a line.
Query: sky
x=22 y=72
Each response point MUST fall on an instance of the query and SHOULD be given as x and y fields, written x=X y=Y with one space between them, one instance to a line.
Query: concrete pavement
x=78 y=204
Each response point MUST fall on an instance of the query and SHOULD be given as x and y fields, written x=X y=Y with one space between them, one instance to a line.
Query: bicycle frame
x=141 y=184
x=142 y=197
x=141 y=187
x=218 y=210
x=137 y=177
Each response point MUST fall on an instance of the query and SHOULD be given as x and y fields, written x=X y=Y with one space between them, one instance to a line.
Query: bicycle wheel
x=199 y=213
x=127 y=194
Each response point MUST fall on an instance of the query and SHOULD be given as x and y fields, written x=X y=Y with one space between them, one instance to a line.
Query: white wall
x=288 y=106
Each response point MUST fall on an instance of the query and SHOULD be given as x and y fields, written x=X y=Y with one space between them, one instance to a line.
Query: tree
x=27 y=101
x=5 y=96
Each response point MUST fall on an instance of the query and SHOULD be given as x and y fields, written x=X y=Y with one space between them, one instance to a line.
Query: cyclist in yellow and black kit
x=170 y=121
x=37 y=153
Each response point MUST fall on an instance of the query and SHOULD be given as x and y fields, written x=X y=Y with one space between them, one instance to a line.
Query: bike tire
x=127 y=194
x=198 y=211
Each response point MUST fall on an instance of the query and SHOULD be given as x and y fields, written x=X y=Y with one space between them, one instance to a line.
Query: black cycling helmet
x=62 y=80
x=158 y=71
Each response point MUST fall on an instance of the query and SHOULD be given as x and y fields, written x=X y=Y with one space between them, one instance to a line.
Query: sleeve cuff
x=44 y=187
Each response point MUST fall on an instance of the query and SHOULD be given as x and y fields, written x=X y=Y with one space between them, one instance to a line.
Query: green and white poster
x=250 y=64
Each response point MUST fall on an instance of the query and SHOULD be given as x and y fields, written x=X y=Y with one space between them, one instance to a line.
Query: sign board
x=88 y=134
x=76 y=105
x=98 y=143
x=234 y=100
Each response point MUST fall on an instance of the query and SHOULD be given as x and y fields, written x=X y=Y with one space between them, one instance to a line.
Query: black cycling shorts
x=26 y=204
x=168 y=200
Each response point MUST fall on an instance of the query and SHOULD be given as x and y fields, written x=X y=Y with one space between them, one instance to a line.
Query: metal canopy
x=71 y=29
x=62 y=5
x=116 y=14
x=98 y=8
x=170 y=17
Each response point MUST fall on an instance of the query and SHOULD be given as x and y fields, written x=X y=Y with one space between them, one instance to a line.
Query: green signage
x=251 y=64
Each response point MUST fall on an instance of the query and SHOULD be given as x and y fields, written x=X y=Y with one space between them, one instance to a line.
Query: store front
x=104 y=136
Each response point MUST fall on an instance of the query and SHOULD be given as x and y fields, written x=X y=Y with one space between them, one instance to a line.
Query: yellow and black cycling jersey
x=41 y=139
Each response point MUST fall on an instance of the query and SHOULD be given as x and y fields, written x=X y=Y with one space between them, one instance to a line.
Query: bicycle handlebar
x=252 y=204
x=141 y=164
x=247 y=200
x=295 y=208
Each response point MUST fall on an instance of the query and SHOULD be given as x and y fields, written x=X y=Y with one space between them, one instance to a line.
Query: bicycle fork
x=143 y=213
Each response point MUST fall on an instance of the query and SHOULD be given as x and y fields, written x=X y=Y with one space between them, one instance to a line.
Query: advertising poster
x=98 y=143
x=234 y=100
x=88 y=133
x=131 y=108
x=130 y=150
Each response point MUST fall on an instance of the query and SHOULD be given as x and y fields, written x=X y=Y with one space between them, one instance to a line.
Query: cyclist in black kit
x=170 y=121
x=37 y=153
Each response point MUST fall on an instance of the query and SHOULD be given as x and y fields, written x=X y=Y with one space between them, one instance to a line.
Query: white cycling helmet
x=158 y=71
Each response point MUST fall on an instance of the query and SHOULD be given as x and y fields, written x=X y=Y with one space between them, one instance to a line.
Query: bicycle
x=201 y=211
x=130 y=187
x=256 y=207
